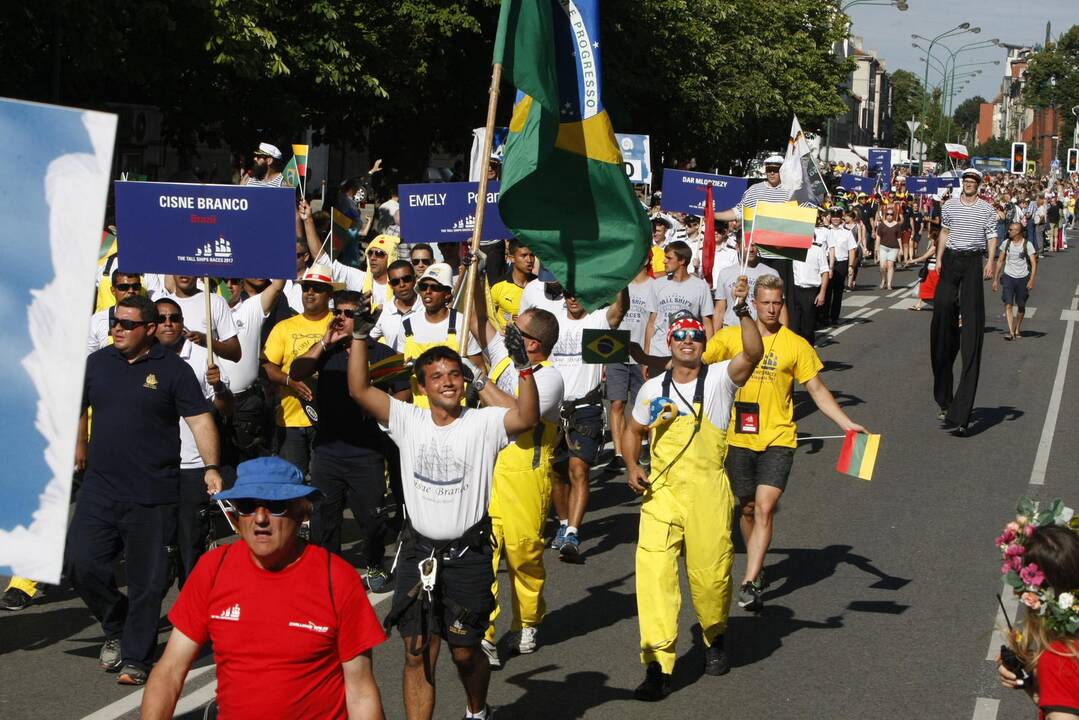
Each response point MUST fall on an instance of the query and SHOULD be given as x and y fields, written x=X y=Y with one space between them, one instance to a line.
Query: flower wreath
x=1060 y=613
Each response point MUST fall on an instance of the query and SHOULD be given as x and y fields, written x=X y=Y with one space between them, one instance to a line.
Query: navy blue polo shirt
x=134 y=453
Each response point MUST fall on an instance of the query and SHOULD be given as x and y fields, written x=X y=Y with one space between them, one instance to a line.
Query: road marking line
x=904 y=304
x=871 y=313
x=1011 y=604
x=1052 y=413
x=897 y=293
x=186 y=703
x=858 y=300
x=985 y=709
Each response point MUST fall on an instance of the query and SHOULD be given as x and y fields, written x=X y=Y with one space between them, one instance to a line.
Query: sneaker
x=110 y=658
x=526 y=641
x=570 y=551
x=942 y=415
x=749 y=596
x=15 y=599
x=131 y=675
x=715 y=658
x=617 y=463
x=656 y=685
x=488 y=709
x=559 y=537
x=491 y=651
x=378 y=580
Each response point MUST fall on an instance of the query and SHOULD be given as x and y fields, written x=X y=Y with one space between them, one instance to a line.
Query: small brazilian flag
x=604 y=346
x=859 y=455
x=564 y=192
x=291 y=174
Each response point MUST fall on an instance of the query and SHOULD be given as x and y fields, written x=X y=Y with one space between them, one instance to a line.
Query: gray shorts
x=582 y=445
x=746 y=469
x=623 y=381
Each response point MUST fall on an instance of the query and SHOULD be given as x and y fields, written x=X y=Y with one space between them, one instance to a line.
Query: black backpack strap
x=666 y=385
x=452 y=329
x=407 y=325
x=698 y=392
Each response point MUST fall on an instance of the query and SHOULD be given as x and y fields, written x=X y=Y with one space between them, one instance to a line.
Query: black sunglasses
x=422 y=261
x=128 y=287
x=694 y=335
x=247 y=507
x=127 y=324
x=315 y=287
x=376 y=253
x=170 y=317
x=430 y=287
x=394 y=282
x=347 y=312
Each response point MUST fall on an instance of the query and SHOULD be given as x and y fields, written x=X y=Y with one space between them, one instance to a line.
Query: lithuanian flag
x=299 y=154
x=564 y=192
x=291 y=174
x=859 y=455
x=784 y=229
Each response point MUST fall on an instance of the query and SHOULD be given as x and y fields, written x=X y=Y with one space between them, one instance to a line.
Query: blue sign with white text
x=215 y=230
x=858 y=183
x=880 y=164
x=683 y=191
x=446 y=212
x=636 y=157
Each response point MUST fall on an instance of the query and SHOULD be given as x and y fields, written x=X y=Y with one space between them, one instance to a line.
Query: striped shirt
x=969 y=226
x=275 y=181
x=762 y=192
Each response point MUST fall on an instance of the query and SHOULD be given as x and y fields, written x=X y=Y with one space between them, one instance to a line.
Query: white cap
x=321 y=274
x=773 y=160
x=269 y=150
x=972 y=172
x=440 y=273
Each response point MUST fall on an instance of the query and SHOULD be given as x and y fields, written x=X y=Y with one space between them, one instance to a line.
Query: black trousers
x=959 y=292
x=804 y=318
x=251 y=424
x=294 y=444
x=359 y=481
x=103 y=529
x=785 y=268
x=193 y=521
x=836 y=286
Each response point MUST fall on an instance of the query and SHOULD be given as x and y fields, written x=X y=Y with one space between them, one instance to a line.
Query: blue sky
x=888 y=31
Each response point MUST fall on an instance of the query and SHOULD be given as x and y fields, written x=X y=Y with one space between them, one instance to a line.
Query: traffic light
x=1073 y=160
x=1019 y=158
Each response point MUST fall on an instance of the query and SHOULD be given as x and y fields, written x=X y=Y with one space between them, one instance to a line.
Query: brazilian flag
x=564 y=189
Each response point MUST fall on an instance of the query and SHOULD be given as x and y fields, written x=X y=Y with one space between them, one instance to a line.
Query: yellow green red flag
x=859 y=454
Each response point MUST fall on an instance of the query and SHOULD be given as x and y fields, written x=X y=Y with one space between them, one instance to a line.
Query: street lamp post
x=952 y=55
x=957 y=30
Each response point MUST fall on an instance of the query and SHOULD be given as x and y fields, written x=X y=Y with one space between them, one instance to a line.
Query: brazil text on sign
x=446 y=212
x=604 y=346
x=219 y=230
x=683 y=191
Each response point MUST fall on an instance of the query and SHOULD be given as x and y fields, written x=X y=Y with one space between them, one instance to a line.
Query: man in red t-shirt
x=291 y=626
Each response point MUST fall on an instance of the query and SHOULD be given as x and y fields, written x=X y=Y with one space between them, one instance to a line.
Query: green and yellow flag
x=291 y=174
x=564 y=189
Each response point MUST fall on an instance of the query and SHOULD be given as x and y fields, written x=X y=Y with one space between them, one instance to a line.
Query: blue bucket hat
x=267 y=478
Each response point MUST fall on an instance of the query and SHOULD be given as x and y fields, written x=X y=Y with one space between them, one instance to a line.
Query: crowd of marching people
x=451 y=419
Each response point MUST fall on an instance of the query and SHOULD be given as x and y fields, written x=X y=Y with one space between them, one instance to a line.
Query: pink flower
x=1031 y=600
x=1028 y=530
x=1032 y=575
x=1017 y=562
x=1006 y=567
x=1013 y=526
x=1013 y=550
x=1006 y=537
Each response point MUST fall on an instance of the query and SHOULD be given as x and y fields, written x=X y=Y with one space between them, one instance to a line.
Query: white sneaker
x=526 y=642
x=491 y=651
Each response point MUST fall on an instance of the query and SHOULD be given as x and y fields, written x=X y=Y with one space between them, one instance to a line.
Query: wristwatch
x=480 y=382
x=211 y=467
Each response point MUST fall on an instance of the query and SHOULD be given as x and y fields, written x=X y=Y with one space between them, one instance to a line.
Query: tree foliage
x=715 y=80
x=1052 y=80
x=968 y=113
x=907 y=96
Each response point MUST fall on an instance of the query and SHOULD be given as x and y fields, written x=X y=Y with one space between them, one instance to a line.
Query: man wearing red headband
x=688 y=503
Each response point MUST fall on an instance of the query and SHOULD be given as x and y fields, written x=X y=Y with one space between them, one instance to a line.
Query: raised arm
x=742 y=365
x=526 y=412
x=223 y=399
x=268 y=297
x=375 y=402
x=618 y=308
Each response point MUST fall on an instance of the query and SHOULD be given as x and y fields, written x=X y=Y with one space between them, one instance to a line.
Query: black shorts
x=466 y=580
x=583 y=445
x=623 y=381
x=1015 y=291
x=746 y=469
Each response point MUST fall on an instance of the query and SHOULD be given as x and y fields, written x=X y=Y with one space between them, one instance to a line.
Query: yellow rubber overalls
x=687 y=509
x=414 y=349
x=520 y=499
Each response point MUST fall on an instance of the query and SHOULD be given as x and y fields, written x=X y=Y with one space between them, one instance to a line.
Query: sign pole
x=209 y=323
x=481 y=204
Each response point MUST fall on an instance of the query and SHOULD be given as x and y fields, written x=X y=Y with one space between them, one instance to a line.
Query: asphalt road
x=882 y=596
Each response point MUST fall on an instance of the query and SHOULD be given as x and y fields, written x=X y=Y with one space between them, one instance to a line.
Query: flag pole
x=481 y=204
x=209 y=323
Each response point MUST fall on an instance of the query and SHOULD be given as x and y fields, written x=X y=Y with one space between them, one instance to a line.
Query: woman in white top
x=1017 y=265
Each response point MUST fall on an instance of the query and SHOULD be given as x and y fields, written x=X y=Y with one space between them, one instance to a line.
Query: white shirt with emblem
x=248 y=317
x=579 y=377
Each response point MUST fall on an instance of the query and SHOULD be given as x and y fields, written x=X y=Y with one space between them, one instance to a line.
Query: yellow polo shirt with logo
x=787 y=357
x=288 y=340
x=506 y=302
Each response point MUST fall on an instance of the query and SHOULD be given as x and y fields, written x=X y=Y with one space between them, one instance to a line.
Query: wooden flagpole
x=209 y=323
x=481 y=204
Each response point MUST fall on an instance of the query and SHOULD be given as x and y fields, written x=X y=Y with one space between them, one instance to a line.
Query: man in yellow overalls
x=688 y=503
x=521 y=492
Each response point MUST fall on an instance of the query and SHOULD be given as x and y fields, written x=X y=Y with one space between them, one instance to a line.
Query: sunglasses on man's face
x=170 y=318
x=394 y=282
x=347 y=312
x=314 y=287
x=376 y=253
x=127 y=324
x=422 y=261
x=430 y=288
x=694 y=335
x=247 y=507
x=771 y=169
x=128 y=287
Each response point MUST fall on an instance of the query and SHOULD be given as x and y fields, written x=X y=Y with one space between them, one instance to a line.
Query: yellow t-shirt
x=506 y=299
x=658 y=264
x=288 y=340
x=787 y=357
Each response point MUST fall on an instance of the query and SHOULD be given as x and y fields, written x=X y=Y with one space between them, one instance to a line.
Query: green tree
x=1052 y=80
x=967 y=115
x=907 y=95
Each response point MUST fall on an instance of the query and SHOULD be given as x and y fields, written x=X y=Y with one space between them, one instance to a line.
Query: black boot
x=656 y=685
x=715 y=658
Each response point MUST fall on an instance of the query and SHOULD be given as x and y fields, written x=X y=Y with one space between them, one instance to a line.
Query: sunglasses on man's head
x=128 y=287
x=314 y=287
x=376 y=253
x=247 y=507
x=170 y=318
x=694 y=335
x=347 y=312
x=394 y=282
x=127 y=324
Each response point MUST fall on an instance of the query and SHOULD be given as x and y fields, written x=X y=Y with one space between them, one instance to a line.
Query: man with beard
x=267 y=169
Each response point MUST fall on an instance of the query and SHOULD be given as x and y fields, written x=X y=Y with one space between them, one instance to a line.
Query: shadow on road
x=804 y=567
x=569 y=696
x=39 y=630
x=601 y=608
x=983 y=418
